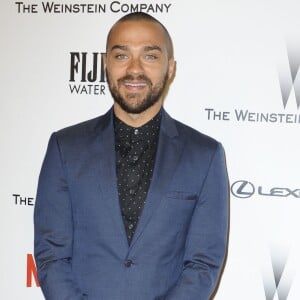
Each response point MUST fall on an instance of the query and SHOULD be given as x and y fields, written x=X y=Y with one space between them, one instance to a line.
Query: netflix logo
x=31 y=274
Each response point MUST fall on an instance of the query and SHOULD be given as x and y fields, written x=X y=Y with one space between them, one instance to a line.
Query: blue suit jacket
x=177 y=251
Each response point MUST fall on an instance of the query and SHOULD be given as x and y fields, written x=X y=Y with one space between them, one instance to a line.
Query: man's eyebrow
x=120 y=47
x=146 y=48
x=151 y=48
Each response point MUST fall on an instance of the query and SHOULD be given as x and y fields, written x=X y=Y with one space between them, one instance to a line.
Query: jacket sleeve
x=206 y=243
x=53 y=229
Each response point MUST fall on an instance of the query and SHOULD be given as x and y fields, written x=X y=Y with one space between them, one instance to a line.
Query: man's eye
x=151 y=57
x=121 y=56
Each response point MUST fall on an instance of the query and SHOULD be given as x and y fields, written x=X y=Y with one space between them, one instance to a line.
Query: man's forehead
x=137 y=30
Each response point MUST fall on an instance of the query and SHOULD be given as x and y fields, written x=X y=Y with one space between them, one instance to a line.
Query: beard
x=137 y=106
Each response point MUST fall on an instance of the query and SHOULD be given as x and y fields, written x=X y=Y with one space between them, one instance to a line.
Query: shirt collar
x=147 y=132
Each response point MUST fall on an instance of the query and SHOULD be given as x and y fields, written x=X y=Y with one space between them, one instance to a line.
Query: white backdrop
x=237 y=80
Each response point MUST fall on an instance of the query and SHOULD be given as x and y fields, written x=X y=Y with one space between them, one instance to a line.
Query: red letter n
x=31 y=272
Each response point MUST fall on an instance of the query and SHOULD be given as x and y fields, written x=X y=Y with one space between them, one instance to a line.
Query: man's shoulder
x=84 y=128
x=194 y=137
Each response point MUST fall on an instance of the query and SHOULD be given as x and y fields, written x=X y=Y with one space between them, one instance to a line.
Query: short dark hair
x=140 y=16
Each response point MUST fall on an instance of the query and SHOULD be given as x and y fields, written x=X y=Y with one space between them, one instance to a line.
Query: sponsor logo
x=289 y=81
x=31 y=274
x=52 y=7
x=87 y=74
x=245 y=115
x=242 y=189
x=278 y=281
x=246 y=189
x=290 y=78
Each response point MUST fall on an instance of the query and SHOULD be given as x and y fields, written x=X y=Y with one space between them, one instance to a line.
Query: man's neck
x=137 y=120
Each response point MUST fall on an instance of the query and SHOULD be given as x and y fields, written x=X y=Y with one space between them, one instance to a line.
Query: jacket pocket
x=182 y=195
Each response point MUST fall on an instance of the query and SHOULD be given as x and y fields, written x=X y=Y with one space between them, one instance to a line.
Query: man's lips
x=134 y=85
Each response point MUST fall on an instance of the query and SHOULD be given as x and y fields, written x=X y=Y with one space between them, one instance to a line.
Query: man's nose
x=135 y=66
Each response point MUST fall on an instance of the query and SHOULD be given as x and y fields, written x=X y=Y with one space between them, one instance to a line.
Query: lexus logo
x=246 y=189
x=242 y=189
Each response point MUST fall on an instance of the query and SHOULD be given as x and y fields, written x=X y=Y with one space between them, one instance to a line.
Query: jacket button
x=128 y=263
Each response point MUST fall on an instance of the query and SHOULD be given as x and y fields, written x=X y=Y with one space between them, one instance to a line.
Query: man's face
x=137 y=65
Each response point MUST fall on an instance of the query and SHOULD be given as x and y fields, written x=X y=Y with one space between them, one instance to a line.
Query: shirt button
x=136 y=131
x=130 y=226
x=135 y=158
x=128 y=263
x=131 y=191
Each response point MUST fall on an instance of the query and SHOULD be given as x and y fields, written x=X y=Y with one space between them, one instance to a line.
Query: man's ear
x=104 y=60
x=172 y=69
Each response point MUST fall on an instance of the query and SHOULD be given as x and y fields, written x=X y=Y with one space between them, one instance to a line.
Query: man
x=132 y=205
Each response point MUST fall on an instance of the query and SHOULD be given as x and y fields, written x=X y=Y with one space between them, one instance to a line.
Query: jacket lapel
x=107 y=173
x=169 y=150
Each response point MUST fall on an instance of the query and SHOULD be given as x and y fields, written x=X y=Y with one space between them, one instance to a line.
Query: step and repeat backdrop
x=237 y=80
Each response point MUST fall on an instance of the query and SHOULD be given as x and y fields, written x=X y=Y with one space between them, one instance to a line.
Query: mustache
x=135 y=78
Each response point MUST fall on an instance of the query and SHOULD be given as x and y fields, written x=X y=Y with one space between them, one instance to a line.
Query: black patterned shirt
x=135 y=157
